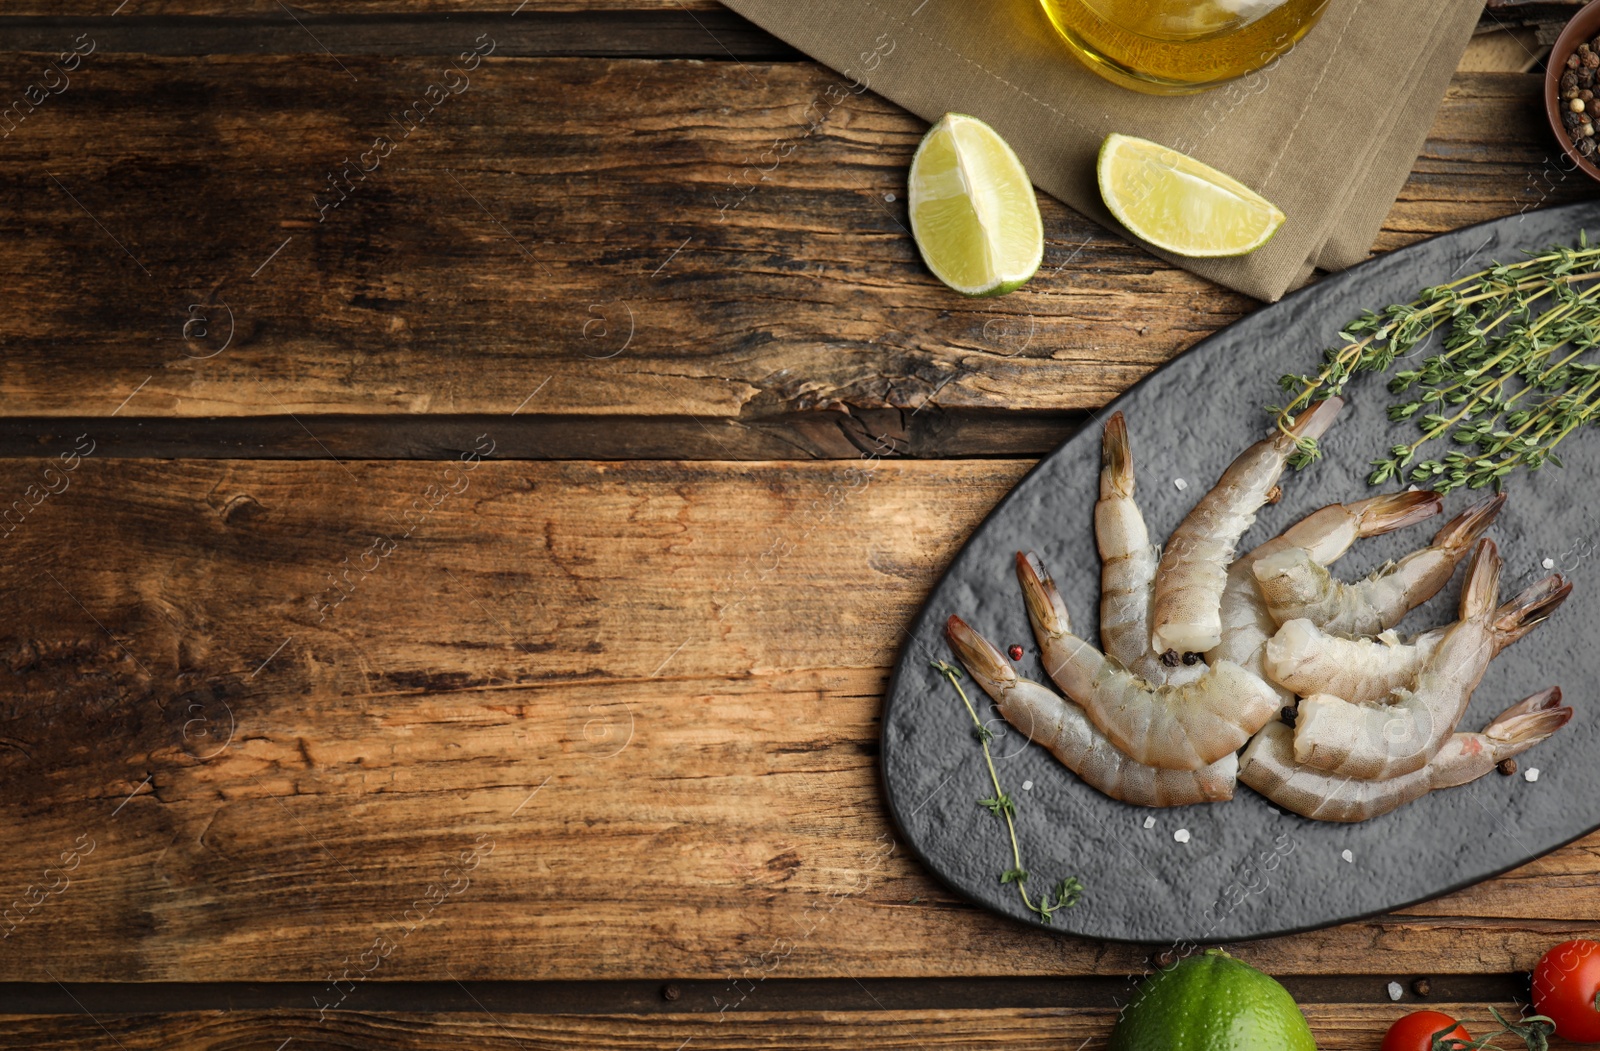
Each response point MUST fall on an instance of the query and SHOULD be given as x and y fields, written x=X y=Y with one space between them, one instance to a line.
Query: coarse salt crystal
x=1531 y=774
x=1180 y=483
x=1182 y=835
x=1274 y=809
x=1394 y=990
x=1348 y=856
x=1149 y=822
x=1027 y=786
x=1549 y=563
x=889 y=197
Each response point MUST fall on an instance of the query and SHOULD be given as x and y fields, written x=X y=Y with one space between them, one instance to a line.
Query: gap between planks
x=706 y=997
x=714 y=36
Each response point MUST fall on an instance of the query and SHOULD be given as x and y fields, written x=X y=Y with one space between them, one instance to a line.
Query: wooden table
x=439 y=610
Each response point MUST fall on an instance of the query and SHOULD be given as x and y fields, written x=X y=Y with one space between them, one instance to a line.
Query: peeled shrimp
x=1185 y=615
x=1325 y=535
x=1183 y=727
x=1128 y=567
x=1269 y=766
x=1381 y=741
x=1295 y=587
x=1048 y=720
x=1307 y=660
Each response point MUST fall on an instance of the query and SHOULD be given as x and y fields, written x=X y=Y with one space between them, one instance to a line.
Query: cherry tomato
x=1564 y=985
x=1415 y=1031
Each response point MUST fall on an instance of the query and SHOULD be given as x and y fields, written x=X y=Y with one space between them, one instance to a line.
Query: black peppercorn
x=1584 y=77
x=1590 y=60
x=1507 y=767
x=1571 y=120
x=1586 y=147
x=1573 y=61
x=1569 y=79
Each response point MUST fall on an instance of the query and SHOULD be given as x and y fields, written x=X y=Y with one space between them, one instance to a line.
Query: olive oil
x=1178 y=47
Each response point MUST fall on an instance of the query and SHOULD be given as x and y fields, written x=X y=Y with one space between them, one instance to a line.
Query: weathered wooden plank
x=1337 y=1027
x=653 y=688
x=807 y=294
x=600 y=225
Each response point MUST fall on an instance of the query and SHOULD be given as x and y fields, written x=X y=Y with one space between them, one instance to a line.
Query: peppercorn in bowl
x=1571 y=83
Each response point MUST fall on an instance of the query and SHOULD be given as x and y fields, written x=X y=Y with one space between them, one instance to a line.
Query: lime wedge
x=1176 y=203
x=973 y=212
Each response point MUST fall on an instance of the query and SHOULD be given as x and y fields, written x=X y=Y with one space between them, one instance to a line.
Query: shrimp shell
x=1295 y=587
x=1269 y=767
x=1183 y=727
x=1185 y=612
x=1381 y=741
x=1325 y=535
x=1062 y=728
x=1307 y=660
x=1127 y=566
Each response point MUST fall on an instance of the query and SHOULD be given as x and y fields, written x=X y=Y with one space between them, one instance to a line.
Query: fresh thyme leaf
x=1506 y=385
x=1000 y=805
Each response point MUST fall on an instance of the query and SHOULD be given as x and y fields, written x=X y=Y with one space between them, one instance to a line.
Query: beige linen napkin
x=1328 y=133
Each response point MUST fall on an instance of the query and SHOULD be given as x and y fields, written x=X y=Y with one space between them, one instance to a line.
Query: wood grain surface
x=361 y=752
x=595 y=226
x=652 y=689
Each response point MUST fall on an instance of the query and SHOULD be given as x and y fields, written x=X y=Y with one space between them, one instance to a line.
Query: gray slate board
x=1246 y=871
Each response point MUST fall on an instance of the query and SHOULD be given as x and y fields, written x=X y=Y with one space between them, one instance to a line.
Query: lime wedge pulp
x=1174 y=202
x=973 y=211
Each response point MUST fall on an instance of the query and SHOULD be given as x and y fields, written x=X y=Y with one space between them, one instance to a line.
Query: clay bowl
x=1585 y=25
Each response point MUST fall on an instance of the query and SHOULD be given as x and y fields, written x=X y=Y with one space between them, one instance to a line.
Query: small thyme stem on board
x=1069 y=891
x=1495 y=349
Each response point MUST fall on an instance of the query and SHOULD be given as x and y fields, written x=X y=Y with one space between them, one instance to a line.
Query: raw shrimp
x=1295 y=587
x=1183 y=727
x=1128 y=567
x=1185 y=614
x=1325 y=535
x=1380 y=741
x=1307 y=660
x=1048 y=720
x=1269 y=767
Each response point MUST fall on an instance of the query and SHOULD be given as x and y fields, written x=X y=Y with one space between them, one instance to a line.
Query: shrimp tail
x=1462 y=531
x=978 y=653
x=1384 y=514
x=1530 y=608
x=1315 y=421
x=1527 y=722
x=1045 y=604
x=1482 y=591
x=1116 y=459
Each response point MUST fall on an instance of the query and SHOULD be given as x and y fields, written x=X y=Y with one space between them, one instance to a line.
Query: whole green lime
x=1211 y=1002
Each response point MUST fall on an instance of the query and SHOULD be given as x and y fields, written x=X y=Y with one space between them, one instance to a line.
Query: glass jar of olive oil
x=1178 y=47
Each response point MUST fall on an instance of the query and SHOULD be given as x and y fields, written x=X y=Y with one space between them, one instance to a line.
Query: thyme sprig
x=1066 y=893
x=1506 y=385
x=1534 y=1031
